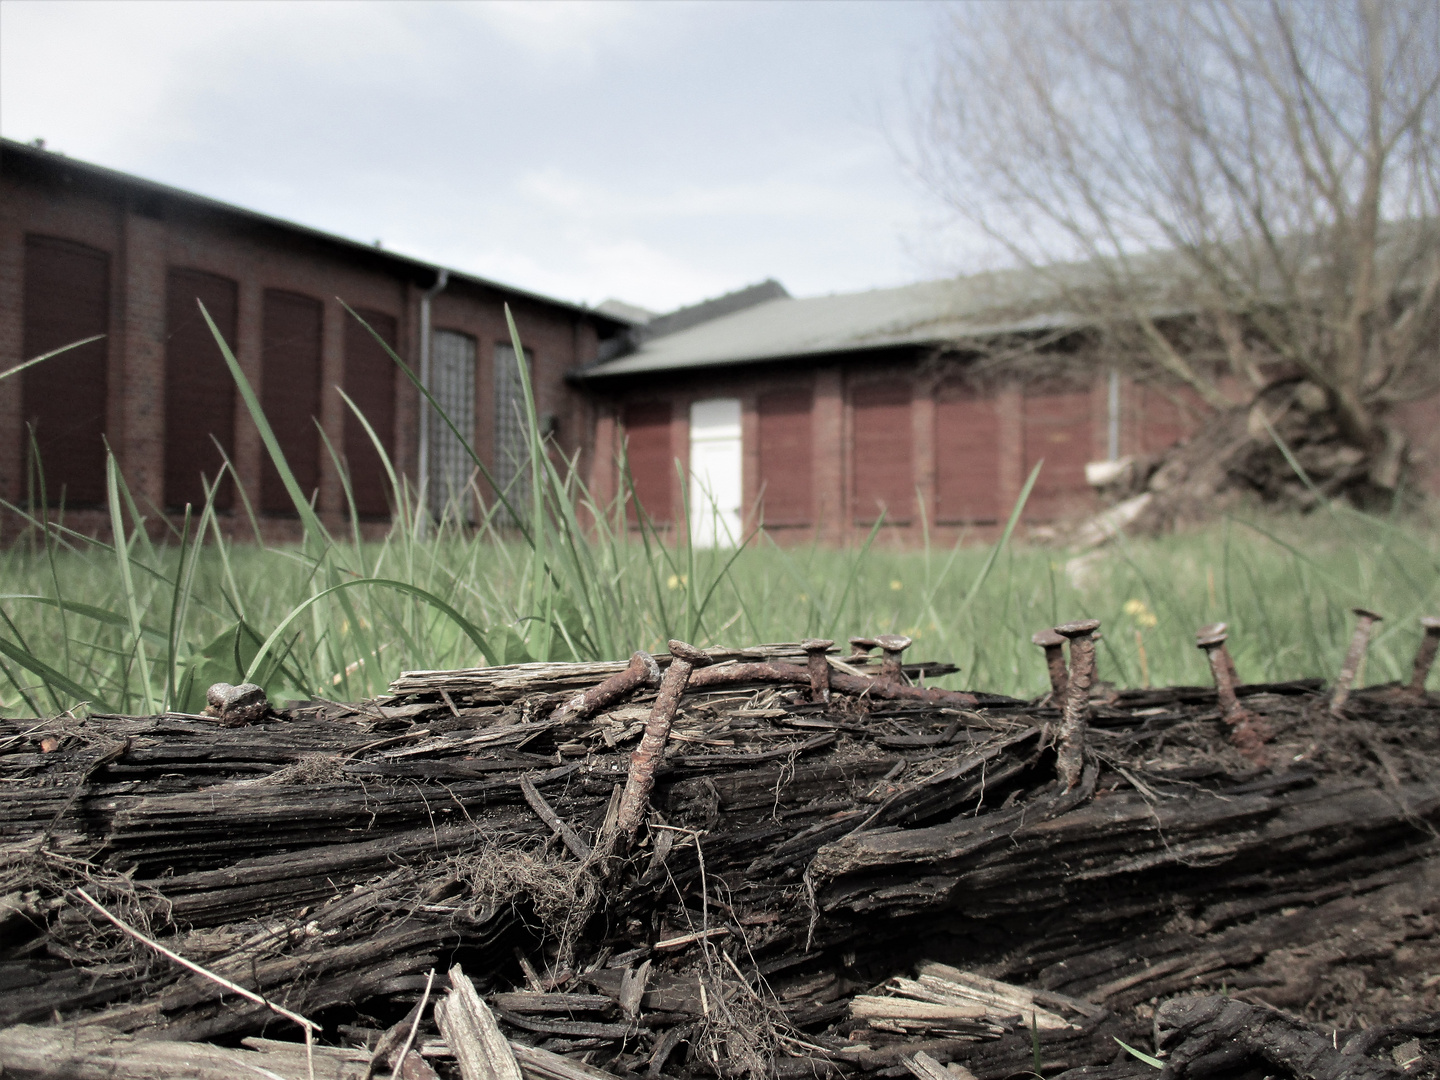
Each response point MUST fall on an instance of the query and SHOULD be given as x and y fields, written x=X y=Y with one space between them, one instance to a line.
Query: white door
x=715 y=469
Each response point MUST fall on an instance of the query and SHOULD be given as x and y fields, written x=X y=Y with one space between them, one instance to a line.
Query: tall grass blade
x=113 y=485
x=298 y=498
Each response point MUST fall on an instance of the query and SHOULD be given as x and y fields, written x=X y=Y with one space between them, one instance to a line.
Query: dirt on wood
x=862 y=885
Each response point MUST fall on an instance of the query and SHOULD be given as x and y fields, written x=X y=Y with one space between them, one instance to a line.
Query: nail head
x=1046 y=639
x=817 y=645
x=1078 y=628
x=894 y=642
x=681 y=651
x=652 y=669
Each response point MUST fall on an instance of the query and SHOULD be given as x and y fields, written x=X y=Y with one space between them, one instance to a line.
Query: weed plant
x=136 y=624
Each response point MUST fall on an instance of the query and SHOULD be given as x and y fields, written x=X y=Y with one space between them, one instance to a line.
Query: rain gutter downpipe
x=1112 y=428
x=442 y=278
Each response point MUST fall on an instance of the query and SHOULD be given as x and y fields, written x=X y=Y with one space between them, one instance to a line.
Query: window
x=452 y=382
x=290 y=394
x=199 y=389
x=67 y=299
x=370 y=384
x=715 y=473
x=512 y=444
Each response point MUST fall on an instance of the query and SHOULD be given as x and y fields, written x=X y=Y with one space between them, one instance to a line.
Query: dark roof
x=686 y=317
x=931 y=313
x=18 y=157
x=956 y=311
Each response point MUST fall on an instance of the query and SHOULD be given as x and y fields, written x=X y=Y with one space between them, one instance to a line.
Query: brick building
x=814 y=416
x=86 y=250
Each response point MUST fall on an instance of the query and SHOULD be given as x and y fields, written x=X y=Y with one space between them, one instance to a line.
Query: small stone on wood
x=236 y=706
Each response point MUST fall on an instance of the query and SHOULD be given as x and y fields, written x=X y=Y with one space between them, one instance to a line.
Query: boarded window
x=1057 y=429
x=290 y=393
x=884 y=464
x=512 y=442
x=199 y=389
x=67 y=298
x=452 y=382
x=649 y=457
x=370 y=384
x=967 y=457
x=786 y=476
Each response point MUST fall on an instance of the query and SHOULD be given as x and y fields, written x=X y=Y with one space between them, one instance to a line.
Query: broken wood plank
x=472 y=1034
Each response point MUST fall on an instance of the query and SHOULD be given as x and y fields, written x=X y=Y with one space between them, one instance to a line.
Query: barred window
x=452 y=382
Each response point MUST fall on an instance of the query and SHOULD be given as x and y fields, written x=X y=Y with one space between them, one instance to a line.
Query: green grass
x=141 y=625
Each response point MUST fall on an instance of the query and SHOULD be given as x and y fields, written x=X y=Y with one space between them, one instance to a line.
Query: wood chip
x=472 y=1034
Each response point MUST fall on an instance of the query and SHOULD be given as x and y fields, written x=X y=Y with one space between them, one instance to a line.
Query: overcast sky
x=659 y=152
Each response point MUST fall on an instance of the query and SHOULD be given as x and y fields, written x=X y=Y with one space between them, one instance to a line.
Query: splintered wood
x=823 y=881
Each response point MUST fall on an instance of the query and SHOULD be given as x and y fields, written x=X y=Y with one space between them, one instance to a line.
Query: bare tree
x=1262 y=177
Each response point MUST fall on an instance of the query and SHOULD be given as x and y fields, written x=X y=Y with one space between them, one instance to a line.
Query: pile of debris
x=764 y=862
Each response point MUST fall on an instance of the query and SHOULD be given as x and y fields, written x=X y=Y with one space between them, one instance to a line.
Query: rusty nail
x=1221 y=628
x=893 y=646
x=819 y=667
x=641 y=780
x=642 y=671
x=1249 y=732
x=1425 y=655
x=1070 y=758
x=860 y=685
x=860 y=649
x=1054 y=646
x=1212 y=639
x=1364 y=620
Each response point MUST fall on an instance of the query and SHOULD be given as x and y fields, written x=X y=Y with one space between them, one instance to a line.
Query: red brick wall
x=882 y=426
x=1060 y=430
x=876 y=431
x=786 y=449
x=144 y=247
x=967 y=457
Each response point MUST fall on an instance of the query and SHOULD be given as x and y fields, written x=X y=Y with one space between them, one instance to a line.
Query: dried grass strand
x=308 y=1026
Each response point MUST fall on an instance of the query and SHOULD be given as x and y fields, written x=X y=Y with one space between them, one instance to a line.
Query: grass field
x=141 y=626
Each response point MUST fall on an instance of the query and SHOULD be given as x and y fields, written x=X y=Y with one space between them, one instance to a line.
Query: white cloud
x=657 y=152
x=558 y=29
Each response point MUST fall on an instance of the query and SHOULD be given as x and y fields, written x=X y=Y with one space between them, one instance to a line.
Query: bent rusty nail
x=1424 y=656
x=1211 y=639
x=1054 y=646
x=818 y=667
x=1364 y=620
x=734 y=674
x=893 y=646
x=642 y=671
x=641 y=780
x=859 y=685
x=1070 y=757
